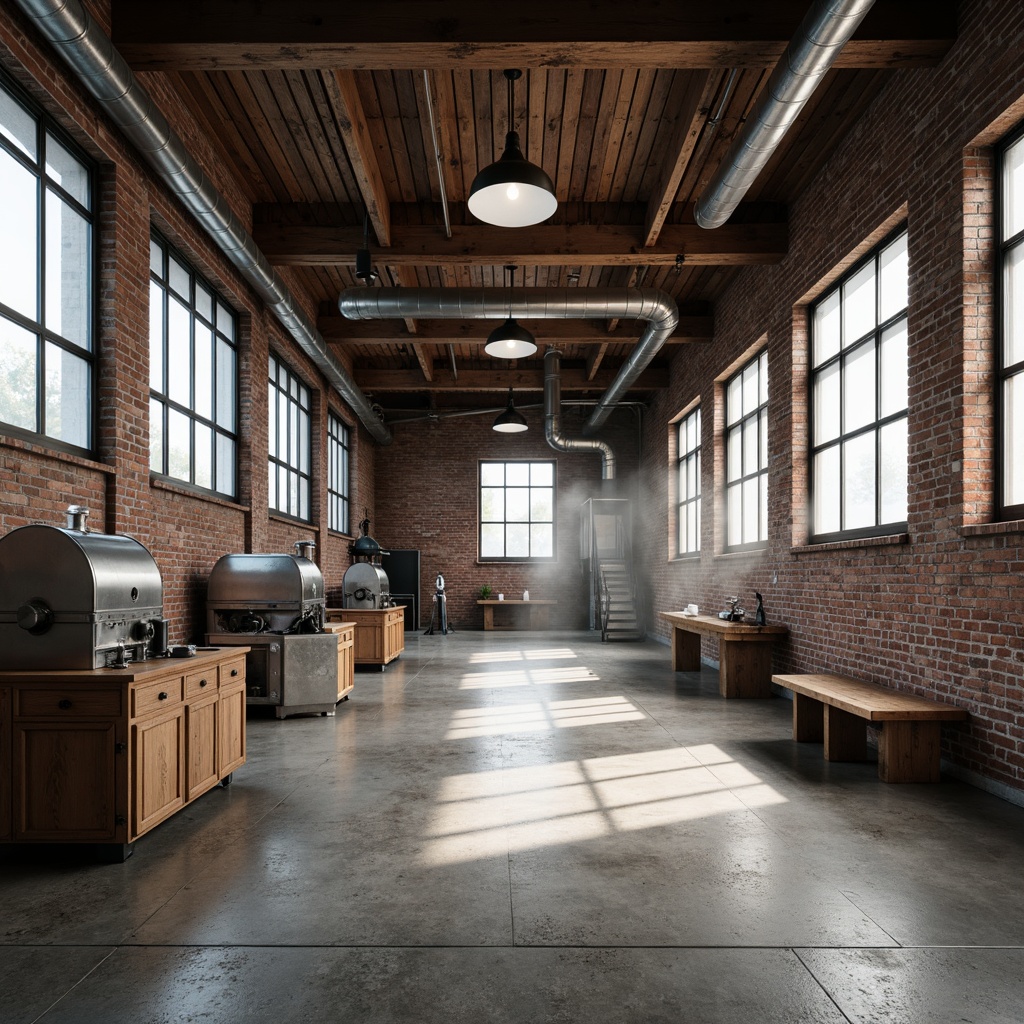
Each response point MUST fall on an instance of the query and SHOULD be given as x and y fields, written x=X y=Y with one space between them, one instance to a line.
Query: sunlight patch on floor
x=541 y=716
x=491 y=813
x=540 y=654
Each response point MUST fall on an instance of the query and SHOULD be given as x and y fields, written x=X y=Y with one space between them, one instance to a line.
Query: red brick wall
x=428 y=479
x=185 y=532
x=940 y=614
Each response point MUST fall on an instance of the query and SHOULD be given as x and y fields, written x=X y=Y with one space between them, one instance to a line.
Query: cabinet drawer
x=66 y=701
x=233 y=671
x=199 y=683
x=156 y=696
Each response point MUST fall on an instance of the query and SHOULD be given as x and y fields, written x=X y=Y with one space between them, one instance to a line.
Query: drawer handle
x=161 y=696
x=234 y=671
x=64 y=704
x=202 y=683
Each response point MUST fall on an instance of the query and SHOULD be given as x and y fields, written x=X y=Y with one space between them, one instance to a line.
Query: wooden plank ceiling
x=323 y=112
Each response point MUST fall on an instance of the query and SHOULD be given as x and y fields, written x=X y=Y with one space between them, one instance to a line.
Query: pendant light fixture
x=512 y=192
x=510 y=340
x=511 y=421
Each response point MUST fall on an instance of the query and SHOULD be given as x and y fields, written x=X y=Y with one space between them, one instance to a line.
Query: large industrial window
x=688 y=483
x=289 y=433
x=337 y=474
x=859 y=399
x=746 y=455
x=517 y=511
x=193 y=376
x=1011 y=349
x=47 y=352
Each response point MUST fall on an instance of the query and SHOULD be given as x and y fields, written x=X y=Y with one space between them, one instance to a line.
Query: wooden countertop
x=713 y=624
x=133 y=672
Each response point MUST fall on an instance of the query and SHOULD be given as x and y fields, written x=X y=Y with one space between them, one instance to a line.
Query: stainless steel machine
x=365 y=584
x=71 y=599
x=274 y=604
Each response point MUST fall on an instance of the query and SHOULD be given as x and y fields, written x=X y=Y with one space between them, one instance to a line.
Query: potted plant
x=485 y=592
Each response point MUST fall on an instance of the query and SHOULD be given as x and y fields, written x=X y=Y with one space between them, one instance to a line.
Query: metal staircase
x=616 y=606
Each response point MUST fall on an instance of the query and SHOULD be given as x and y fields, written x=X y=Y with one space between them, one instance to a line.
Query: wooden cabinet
x=379 y=632
x=104 y=755
x=346 y=634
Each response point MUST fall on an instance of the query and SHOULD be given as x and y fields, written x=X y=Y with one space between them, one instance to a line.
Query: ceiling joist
x=654 y=378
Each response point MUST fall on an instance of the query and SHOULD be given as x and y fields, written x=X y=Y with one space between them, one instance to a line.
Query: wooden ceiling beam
x=351 y=119
x=520 y=378
x=198 y=35
x=544 y=245
x=338 y=330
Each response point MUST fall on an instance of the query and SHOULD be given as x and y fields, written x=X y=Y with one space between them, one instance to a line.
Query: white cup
x=691 y=609
x=501 y=597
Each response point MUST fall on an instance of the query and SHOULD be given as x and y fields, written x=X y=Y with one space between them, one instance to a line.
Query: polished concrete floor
x=535 y=827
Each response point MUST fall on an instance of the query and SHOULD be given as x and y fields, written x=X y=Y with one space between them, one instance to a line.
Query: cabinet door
x=201 y=771
x=6 y=767
x=231 y=730
x=158 y=776
x=64 y=781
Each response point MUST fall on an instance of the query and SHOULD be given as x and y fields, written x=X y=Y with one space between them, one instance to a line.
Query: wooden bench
x=538 y=613
x=836 y=710
x=744 y=651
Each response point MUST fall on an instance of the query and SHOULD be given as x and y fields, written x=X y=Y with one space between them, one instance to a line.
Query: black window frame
x=878 y=423
x=46 y=124
x=760 y=415
x=305 y=478
x=684 y=458
x=536 y=559
x=1004 y=511
x=339 y=477
x=221 y=310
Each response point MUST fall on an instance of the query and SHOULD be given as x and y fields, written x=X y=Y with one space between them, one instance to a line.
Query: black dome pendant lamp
x=512 y=192
x=511 y=340
x=511 y=421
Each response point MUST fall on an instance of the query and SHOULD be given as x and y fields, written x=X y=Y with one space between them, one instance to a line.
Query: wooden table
x=379 y=632
x=744 y=651
x=538 y=613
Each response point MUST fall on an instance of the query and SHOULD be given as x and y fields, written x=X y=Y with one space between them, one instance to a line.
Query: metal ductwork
x=105 y=73
x=826 y=28
x=656 y=307
x=553 y=418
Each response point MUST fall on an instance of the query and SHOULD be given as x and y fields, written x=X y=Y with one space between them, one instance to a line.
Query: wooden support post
x=846 y=736
x=909 y=751
x=685 y=651
x=808 y=719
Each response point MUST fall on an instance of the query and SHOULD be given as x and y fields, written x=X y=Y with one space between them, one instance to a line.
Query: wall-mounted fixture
x=511 y=421
x=512 y=192
x=510 y=340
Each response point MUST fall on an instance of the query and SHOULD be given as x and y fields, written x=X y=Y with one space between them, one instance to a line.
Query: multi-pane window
x=746 y=455
x=859 y=399
x=517 y=511
x=688 y=483
x=193 y=376
x=289 y=437
x=337 y=474
x=1011 y=349
x=47 y=349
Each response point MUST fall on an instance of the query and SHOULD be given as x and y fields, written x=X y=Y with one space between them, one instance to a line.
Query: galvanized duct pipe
x=826 y=28
x=105 y=73
x=657 y=308
x=553 y=418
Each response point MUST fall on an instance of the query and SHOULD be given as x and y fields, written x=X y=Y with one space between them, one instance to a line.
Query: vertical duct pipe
x=826 y=28
x=105 y=73
x=553 y=419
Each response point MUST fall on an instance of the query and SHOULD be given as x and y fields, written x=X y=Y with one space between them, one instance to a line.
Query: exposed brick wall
x=428 y=479
x=939 y=614
x=186 y=533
